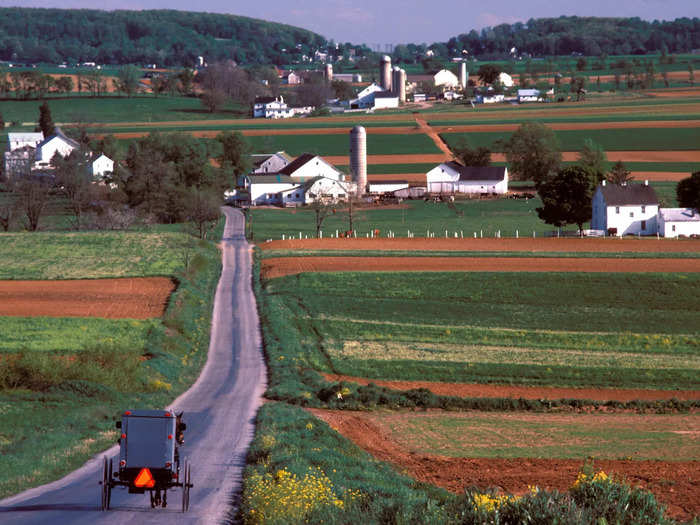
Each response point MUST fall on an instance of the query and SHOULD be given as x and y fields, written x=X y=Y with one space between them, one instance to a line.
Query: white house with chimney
x=452 y=177
x=276 y=107
x=625 y=209
x=101 y=165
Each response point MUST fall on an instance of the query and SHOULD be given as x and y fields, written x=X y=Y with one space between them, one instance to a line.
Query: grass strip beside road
x=268 y=254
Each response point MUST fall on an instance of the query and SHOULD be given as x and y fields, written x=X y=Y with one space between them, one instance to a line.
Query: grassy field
x=92 y=255
x=487 y=216
x=547 y=329
x=69 y=334
x=633 y=139
x=603 y=436
x=339 y=144
x=64 y=381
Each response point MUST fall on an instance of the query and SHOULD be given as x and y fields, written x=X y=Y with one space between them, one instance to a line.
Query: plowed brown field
x=507 y=245
x=525 y=392
x=676 y=484
x=135 y=298
x=280 y=266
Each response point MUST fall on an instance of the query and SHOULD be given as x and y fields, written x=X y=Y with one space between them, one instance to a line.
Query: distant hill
x=590 y=36
x=163 y=37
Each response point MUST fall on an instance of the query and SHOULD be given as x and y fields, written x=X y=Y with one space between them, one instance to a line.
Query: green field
x=338 y=144
x=602 y=436
x=633 y=139
x=487 y=216
x=91 y=255
x=547 y=329
x=71 y=334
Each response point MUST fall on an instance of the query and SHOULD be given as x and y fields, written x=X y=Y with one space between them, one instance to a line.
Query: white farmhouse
x=270 y=162
x=101 y=166
x=56 y=143
x=625 y=209
x=674 y=222
x=386 y=100
x=452 y=177
x=308 y=166
x=446 y=79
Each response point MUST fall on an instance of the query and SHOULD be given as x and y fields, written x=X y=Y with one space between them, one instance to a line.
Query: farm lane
x=219 y=410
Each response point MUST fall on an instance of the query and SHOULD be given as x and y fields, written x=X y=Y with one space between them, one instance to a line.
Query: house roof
x=297 y=163
x=628 y=195
x=679 y=215
x=273 y=178
x=25 y=137
x=468 y=173
x=58 y=133
x=264 y=100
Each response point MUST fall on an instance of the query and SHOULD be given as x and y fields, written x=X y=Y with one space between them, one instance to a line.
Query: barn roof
x=628 y=194
x=297 y=163
x=469 y=173
x=679 y=215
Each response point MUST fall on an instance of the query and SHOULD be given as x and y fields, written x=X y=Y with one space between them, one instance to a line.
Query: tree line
x=164 y=37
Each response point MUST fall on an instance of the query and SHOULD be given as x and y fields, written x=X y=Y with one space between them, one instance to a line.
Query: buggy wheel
x=109 y=485
x=186 y=484
x=104 y=481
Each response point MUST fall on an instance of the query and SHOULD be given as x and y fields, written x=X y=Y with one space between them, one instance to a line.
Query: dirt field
x=280 y=266
x=135 y=298
x=525 y=392
x=675 y=484
x=588 y=244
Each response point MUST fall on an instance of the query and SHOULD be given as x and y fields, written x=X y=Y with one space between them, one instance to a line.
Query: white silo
x=401 y=90
x=463 y=75
x=358 y=158
x=328 y=73
x=385 y=73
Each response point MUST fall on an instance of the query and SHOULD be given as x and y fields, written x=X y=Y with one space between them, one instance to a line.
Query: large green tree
x=533 y=152
x=472 y=156
x=128 y=79
x=688 y=191
x=235 y=154
x=46 y=124
x=593 y=158
x=567 y=197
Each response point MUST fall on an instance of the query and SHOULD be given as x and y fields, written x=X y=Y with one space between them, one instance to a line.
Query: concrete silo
x=463 y=75
x=328 y=73
x=401 y=87
x=385 y=73
x=358 y=158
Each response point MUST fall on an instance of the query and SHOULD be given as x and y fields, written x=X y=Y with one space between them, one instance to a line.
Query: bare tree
x=322 y=209
x=74 y=182
x=33 y=192
x=8 y=209
x=203 y=210
x=619 y=173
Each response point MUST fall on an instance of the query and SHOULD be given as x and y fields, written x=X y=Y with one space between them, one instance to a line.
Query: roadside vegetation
x=64 y=381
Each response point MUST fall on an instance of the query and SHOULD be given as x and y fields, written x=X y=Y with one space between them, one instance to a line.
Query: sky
x=396 y=21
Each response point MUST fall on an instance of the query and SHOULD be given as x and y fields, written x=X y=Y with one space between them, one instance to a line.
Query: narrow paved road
x=219 y=410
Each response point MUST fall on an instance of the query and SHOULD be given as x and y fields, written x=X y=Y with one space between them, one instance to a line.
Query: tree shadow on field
x=204 y=111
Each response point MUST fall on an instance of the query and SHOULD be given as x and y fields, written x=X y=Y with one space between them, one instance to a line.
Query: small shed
x=675 y=222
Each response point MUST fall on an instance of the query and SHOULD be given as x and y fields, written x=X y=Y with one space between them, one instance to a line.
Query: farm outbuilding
x=387 y=186
x=675 y=222
x=451 y=177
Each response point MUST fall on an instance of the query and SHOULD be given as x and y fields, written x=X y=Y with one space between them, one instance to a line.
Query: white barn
x=387 y=186
x=627 y=209
x=266 y=189
x=270 y=162
x=452 y=177
x=373 y=96
x=386 y=100
x=307 y=166
x=674 y=222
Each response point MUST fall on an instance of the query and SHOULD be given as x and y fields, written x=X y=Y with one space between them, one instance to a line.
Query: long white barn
x=452 y=177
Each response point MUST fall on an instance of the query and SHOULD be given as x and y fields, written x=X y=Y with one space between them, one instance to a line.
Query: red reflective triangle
x=145 y=479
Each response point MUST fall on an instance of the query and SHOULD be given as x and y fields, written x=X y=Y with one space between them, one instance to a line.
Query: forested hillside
x=571 y=34
x=162 y=37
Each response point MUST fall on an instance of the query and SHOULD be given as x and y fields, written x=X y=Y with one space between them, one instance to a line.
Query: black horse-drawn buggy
x=149 y=458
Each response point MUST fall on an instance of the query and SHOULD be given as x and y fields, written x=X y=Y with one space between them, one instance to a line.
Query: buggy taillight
x=168 y=464
x=122 y=463
x=123 y=436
